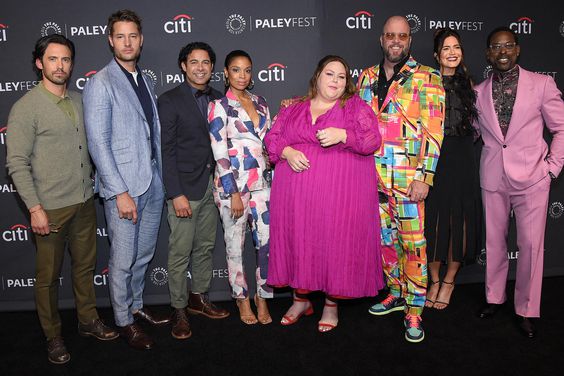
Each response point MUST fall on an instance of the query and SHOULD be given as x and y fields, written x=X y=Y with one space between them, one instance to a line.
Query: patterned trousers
x=404 y=250
x=256 y=214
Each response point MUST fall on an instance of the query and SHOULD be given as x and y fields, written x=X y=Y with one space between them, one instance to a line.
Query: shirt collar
x=54 y=98
x=397 y=67
x=125 y=70
x=510 y=75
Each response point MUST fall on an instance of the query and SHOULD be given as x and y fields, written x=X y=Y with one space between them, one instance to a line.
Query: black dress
x=453 y=211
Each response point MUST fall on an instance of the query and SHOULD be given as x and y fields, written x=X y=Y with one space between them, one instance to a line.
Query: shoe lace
x=413 y=321
x=389 y=299
x=180 y=314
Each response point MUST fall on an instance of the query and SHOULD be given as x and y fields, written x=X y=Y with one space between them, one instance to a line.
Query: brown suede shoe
x=136 y=337
x=97 y=329
x=180 y=324
x=199 y=304
x=56 y=351
x=153 y=319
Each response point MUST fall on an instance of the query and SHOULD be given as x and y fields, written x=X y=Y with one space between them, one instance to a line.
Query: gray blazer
x=118 y=133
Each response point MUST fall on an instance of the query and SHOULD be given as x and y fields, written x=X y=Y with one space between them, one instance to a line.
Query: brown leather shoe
x=97 y=329
x=153 y=319
x=136 y=337
x=180 y=324
x=199 y=304
x=56 y=351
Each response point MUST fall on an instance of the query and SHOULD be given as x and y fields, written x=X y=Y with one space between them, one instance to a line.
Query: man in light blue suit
x=123 y=131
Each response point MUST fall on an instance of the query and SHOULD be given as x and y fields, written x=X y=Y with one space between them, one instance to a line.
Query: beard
x=395 y=58
x=57 y=80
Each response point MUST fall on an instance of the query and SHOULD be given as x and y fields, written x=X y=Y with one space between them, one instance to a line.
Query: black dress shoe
x=136 y=337
x=488 y=310
x=526 y=326
x=150 y=317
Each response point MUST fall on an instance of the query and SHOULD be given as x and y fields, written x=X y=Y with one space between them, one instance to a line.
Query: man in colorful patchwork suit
x=408 y=99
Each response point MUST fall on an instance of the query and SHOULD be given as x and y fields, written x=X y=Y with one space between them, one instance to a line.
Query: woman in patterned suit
x=238 y=123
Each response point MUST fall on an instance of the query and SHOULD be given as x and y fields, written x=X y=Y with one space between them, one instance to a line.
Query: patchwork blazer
x=411 y=124
x=237 y=144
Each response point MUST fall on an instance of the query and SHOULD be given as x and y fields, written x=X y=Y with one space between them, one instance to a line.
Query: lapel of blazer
x=118 y=77
x=523 y=90
x=486 y=99
x=406 y=71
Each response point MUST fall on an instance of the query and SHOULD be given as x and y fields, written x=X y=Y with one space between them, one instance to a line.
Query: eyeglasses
x=391 y=36
x=509 y=46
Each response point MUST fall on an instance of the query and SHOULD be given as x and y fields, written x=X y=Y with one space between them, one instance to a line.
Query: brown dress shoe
x=180 y=324
x=199 y=304
x=136 y=337
x=97 y=329
x=56 y=351
x=153 y=319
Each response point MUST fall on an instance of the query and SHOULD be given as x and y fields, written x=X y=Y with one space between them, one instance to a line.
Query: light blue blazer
x=118 y=133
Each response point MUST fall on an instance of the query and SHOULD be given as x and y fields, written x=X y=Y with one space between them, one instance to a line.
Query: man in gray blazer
x=123 y=131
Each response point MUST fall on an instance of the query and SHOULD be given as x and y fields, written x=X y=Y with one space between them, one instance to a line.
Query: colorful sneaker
x=413 y=328
x=390 y=304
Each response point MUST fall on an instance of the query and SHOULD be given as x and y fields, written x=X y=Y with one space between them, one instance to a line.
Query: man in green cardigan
x=49 y=163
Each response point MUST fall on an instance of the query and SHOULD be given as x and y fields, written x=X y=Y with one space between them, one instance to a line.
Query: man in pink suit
x=515 y=171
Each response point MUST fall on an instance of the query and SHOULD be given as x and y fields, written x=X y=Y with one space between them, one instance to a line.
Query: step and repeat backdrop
x=285 y=40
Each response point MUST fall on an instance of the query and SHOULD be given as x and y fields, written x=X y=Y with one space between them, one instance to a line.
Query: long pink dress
x=324 y=222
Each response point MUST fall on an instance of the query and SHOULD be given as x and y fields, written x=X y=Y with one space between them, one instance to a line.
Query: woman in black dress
x=453 y=209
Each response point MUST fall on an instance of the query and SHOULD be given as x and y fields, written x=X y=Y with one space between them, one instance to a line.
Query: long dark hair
x=463 y=83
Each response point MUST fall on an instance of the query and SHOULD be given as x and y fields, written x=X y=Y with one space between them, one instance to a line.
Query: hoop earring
x=251 y=85
x=226 y=82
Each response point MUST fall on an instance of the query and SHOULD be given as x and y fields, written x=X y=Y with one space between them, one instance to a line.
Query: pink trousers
x=530 y=207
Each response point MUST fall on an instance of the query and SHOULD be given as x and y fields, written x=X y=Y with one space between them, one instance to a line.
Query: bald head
x=395 y=39
x=397 y=21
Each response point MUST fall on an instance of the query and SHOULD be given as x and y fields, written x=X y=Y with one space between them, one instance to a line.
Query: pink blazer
x=523 y=155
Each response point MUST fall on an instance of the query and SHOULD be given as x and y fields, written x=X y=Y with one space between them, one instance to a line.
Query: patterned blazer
x=237 y=145
x=411 y=125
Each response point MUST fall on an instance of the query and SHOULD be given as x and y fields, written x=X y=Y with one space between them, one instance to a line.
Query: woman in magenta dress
x=324 y=225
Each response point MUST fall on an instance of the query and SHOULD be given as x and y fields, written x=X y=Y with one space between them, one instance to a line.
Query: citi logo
x=102 y=278
x=81 y=82
x=3 y=34
x=522 y=26
x=179 y=24
x=274 y=72
x=16 y=233
x=361 y=20
x=3 y=135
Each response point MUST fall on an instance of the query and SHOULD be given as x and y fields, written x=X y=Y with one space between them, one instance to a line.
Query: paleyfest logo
x=556 y=210
x=16 y=233
x=361 y=20
x=487 y=72
x=159 y=276
x=235 y=24
x=414 y=22
x=49 y=28
x=274 y=72
x=523 y=25
x=3 y=33
x=180 y=24
x=152 y=76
